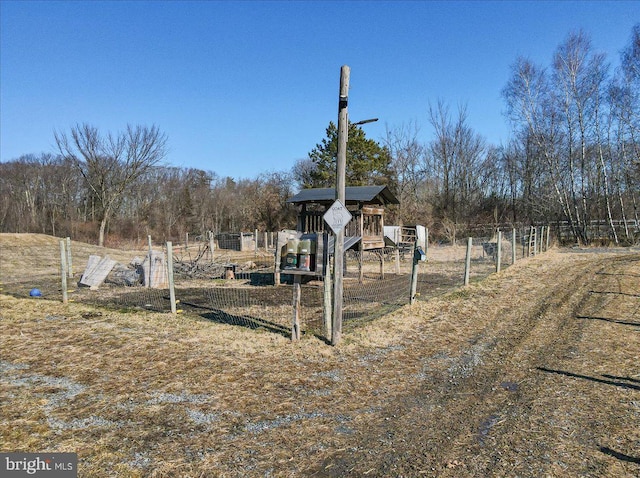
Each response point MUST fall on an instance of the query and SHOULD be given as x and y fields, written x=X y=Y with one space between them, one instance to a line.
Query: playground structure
x=365 y=203
x=365 y=232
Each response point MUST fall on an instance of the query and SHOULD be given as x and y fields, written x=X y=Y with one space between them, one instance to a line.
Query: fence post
x=467 y=262
x=172 y=291
x=541 y=240
x=147 y=279
x=513 y=246
x=499 y=252
x=414 y=275
x=69 y=259
x=426 y=241
x=63 y=272
x=255 y=241
x=548 y=227
x=295 y=327
x=211 y=245
x=327 y=303
x=277 y=260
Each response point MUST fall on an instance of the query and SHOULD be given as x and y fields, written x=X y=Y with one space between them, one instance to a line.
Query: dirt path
x=523 y=398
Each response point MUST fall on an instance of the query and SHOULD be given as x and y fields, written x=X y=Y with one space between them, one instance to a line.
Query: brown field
x=531 y=372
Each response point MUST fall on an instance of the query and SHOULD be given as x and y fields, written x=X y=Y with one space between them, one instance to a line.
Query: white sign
x=337 y=216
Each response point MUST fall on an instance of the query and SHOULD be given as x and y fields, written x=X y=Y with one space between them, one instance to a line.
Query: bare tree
x=534 y=115
x=407 y=165
x=456 y=157
x=112 y=163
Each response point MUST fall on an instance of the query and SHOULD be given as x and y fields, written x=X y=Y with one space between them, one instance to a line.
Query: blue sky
x=243 y=88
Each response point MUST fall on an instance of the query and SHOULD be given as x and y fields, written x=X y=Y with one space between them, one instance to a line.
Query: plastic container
x=291 y=260
x=304 y=259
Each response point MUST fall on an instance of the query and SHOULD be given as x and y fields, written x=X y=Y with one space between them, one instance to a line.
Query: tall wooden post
x=327 y=288
x=341 y=166
x=513 y=246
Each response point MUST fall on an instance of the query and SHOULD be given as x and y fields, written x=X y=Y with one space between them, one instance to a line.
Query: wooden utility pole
x=341 y=167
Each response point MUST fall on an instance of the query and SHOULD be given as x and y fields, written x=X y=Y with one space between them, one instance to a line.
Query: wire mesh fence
x=225 y=285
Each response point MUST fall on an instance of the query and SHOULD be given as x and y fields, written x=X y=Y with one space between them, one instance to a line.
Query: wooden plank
x=372 y=211
x=155 y=270
x=96 y=271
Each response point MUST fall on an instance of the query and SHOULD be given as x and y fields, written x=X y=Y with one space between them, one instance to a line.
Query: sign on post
x=337 y=216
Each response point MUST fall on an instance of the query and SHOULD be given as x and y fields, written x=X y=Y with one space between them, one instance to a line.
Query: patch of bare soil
x=531 y=372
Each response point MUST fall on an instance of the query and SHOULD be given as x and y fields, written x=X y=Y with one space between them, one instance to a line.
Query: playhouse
x=364 y=232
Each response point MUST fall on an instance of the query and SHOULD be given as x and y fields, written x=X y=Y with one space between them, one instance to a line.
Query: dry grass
x=532 y=372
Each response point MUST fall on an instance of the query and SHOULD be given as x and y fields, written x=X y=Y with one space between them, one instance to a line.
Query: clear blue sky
x=241 y=88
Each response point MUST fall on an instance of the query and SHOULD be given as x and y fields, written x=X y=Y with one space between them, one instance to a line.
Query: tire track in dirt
x=444 y=429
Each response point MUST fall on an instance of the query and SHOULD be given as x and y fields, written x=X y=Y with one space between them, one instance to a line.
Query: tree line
x=573 y=157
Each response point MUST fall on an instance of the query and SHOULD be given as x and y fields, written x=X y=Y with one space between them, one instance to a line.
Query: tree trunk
x=103 y=226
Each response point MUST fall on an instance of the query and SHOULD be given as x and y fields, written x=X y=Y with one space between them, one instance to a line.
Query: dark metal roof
x=353 y=194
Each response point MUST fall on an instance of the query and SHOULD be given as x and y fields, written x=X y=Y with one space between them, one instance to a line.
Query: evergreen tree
x=368 y=163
